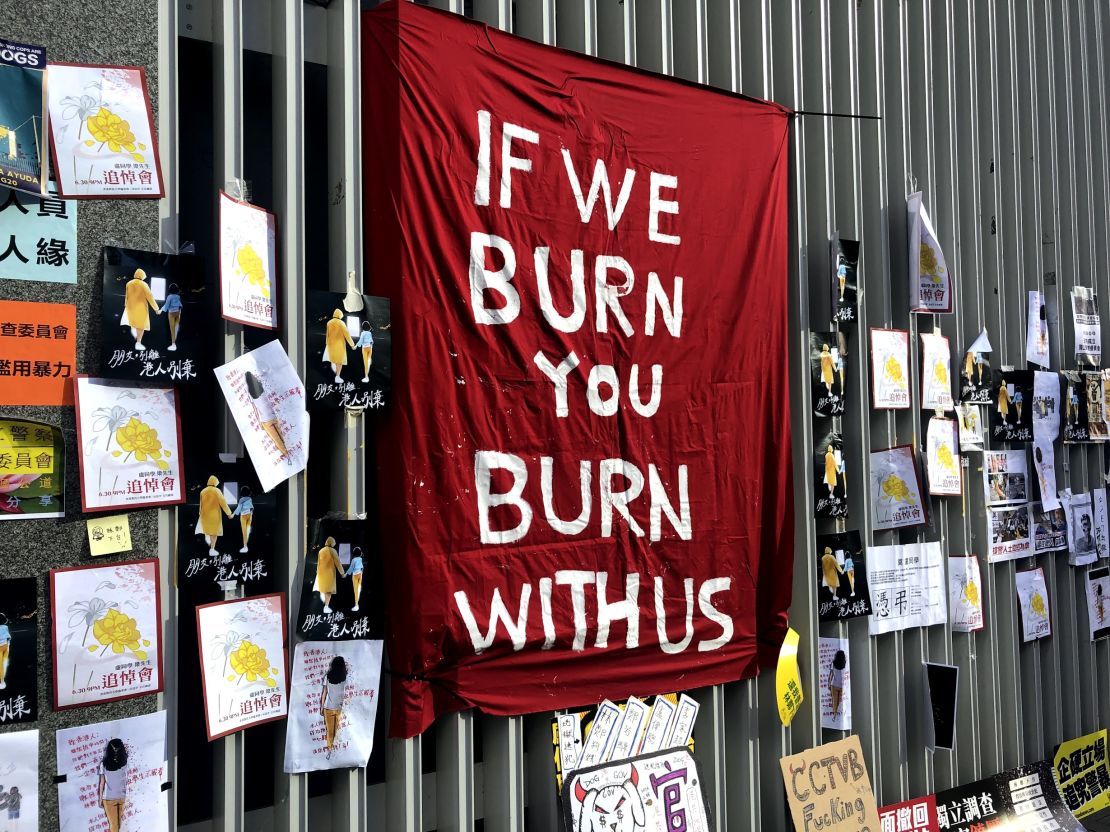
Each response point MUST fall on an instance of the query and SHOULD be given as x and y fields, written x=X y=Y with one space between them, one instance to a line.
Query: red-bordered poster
x=248 y=263
x=106 y=632
x=586 y=468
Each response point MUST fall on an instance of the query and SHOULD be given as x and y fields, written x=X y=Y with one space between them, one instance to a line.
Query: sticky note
x=108 y=535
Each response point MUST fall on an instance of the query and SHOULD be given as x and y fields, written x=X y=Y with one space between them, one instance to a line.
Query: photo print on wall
x=830 y=475
x=842 y=590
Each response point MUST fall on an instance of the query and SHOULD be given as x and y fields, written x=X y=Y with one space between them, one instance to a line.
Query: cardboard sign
x=828 y=788
x=659 y=792
x=38 y=352
x=516 y=387
x=109 y=535
x=39 y=238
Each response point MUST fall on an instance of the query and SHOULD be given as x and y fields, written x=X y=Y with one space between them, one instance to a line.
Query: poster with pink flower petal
x=243 y=663
x=106 y=624
x=102 y=132
x=128 y=445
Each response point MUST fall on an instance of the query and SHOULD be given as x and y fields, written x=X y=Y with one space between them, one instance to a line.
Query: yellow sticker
x=1082 y=771
x=788 y=679
x=108 y=535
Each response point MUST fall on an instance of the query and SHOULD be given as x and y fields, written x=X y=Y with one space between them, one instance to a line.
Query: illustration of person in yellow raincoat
x=327 y=564
x=826 y=368
x=1004 y=402
x=337 y=340
x=831 y=470
x=137 y=298
x=210 y=523
x=831 y=571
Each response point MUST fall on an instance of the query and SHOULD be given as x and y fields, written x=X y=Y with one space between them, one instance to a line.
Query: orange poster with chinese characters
x=38 y=352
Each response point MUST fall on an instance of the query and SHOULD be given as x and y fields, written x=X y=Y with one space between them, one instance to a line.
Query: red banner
x=586 y=474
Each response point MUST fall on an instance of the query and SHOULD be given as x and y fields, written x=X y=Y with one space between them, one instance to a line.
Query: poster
x=830 y=475
x=1096 y=406
x=38 y=345
x=41 y=232
x=942 y=454
x=248 y=263
x=1011 y=530
x=333 y=705
x=1088 y=330
x=1046 y=406
x=159 y=317
x=965 y=594
x=1021 y=798
x=972 y=436
x=243 y=663
x=975 y=372
x=1098 y=601
x=907 y=587
x=890 y=369
x=267 y=400
x=1036 y=331
x=836 y=798
x=896 y=489
x=942 y=685
x=936 y=373
x=32 y=470
x=1011 y=411
x=827 y=364
x=845 y=287
x=128 y=444
x=788 y=679
x=111 y=775
x=19 y=781
x=225 y=529
x=22 y=122
x=1032 y=595
x=1050 y=529
x=1044 y=464
x=657 y=792
x=835 y=683
x=1075 y=407
x=1100 y=522
x=1082 y=774
x=106 y=626
x=917 y=815
x=1082 y=544
x=102 y=132
x=334 y=604
x=349 y=351
x=842 y=590
x=462 y=472
x=19 y=647
x=930 y=277
x=1006 y=477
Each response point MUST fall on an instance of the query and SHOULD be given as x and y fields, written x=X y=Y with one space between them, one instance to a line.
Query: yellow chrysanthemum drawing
x=250 y=660
x=945 y=458
x=895 y=487
x=250 y=264
x=929 y=266
x=1037 y=604
x=120 y=632
x=941 y=373
x=109 y=129
x=141 y=439
x=893 y=370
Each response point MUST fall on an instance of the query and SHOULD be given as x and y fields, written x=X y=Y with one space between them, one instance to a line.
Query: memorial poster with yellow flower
x=128 y=445
x=965 y=594
x=105 y=632
x=1032 y=592
x=936 y=373
x=896 y=489
x=243 y=663
x=930 y=276
x=890 y=369
x=102 y=132
x=248 y=263
x=942 y=444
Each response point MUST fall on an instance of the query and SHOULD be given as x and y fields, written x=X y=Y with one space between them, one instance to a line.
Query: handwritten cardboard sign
x=828 y=788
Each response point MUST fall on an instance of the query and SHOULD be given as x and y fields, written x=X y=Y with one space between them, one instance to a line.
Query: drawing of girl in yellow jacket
x=136 y=300
x=337 y=339
x=210 y=523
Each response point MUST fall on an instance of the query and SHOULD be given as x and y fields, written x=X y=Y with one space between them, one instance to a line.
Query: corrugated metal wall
x=995 y=110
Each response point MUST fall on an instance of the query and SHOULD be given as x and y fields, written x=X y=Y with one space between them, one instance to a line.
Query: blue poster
x=38 y=236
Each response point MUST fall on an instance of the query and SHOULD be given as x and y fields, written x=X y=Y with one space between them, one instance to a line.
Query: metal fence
x=996 y=110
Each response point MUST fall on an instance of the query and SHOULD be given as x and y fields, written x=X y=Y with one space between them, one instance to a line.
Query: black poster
x=1012 y=406
x=845 y=260
x=830 y=476
x=942 y=684
x=842 y=590
x=1075 y=407
x=975 y=372
x=335 y=604
x=827 y=366
x=1021 y=798
x=349 y=351
x=161 y=318
x=19 y=640
x=225 y=528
